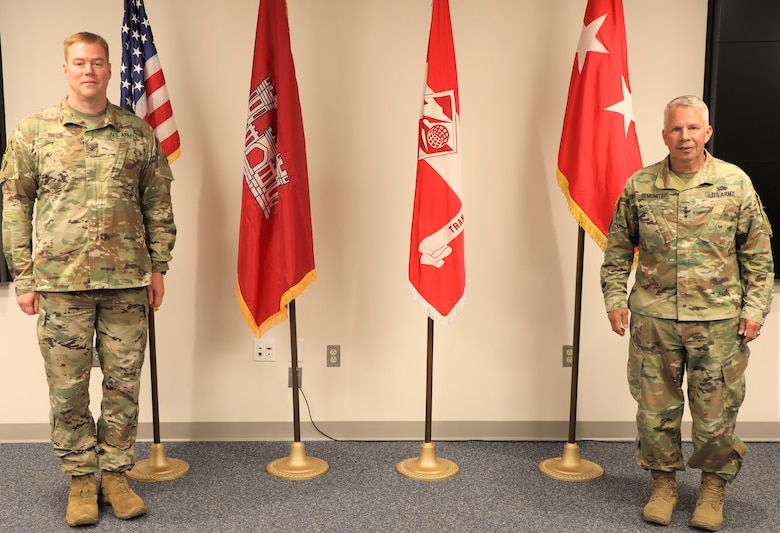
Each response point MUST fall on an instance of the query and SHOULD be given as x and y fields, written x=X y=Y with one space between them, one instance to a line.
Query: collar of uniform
x=68 y=116
x=706 y=175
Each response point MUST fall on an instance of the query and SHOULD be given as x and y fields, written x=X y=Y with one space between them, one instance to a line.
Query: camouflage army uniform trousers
x=67 y=324
x=660 y=351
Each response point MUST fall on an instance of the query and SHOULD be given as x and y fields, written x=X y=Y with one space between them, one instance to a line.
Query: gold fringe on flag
x=280 y=316
x=583 y=220
x=579 y=215
x=174 y=155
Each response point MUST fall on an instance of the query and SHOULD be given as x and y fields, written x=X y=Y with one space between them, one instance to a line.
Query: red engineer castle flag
x=436 y=257
x=275 y=247
x=599 y=150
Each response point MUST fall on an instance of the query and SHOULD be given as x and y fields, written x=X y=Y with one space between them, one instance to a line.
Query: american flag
x=143 y=89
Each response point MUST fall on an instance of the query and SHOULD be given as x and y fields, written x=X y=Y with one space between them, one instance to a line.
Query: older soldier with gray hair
x=703 y=288
x=93 y=182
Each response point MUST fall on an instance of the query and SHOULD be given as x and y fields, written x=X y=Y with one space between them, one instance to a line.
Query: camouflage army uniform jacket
x=103 y=218
x=703 y=246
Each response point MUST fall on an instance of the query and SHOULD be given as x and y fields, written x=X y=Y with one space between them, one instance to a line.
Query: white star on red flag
x=625 y=107
x=589 y=42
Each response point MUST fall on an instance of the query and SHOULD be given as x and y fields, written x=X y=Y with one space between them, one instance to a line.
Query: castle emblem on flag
x=263 y=164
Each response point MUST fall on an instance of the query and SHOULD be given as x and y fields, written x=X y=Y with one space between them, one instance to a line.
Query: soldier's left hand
x=156 y=290
x=749 y=330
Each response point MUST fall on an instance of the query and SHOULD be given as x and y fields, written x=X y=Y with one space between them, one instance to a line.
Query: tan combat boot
x=708 y=514
x=663 y=501
x=82 y=501
x=115 y=491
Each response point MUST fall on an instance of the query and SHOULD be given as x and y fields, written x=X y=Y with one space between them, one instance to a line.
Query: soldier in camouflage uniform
x=704 y=281
x=93 y=182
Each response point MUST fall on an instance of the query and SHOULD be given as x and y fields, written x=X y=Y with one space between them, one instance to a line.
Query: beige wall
x=360 y=66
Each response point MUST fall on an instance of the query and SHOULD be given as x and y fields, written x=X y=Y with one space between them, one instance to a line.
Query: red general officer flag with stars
x=437 y=269
x=142 y=87
x=275 y=247
x=599 y=150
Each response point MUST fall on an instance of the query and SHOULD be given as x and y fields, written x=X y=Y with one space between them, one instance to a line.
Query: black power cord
x=311 y=418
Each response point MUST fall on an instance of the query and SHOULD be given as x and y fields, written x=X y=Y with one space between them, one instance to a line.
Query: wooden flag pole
x=570 y=467
x=297 y=465
x=158 y=467
x=427 y=467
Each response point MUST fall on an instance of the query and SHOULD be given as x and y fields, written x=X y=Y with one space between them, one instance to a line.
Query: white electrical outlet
x=264 y=350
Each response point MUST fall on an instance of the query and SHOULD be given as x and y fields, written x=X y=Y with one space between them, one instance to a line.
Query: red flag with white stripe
x=275 y=246
x=142 y=87
x=599 y=150
x=437 y=271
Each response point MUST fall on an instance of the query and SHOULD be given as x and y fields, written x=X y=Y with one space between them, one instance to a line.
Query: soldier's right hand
x=28 y=303
x=618 y=319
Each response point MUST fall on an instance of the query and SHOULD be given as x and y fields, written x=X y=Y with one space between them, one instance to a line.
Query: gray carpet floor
x=499 y=489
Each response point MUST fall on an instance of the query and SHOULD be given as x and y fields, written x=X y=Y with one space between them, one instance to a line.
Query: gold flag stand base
x=297 y=465
x=570 y=467
x=158 y=467
x=427 y=467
